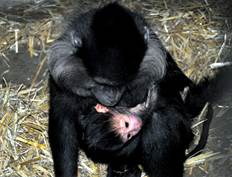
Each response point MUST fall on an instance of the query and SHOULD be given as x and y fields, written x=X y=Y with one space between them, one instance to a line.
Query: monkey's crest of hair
x=113 y=24
x=117 y=46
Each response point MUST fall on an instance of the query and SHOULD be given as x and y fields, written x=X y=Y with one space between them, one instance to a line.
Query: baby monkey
x=127 y=122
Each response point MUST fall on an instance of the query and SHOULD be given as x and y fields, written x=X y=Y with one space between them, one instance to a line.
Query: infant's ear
x=101 y=109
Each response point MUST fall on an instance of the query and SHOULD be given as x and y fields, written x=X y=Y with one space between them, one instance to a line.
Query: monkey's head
x=101 y=138
x=110 y=130
x=99 y=133
x=115 y=46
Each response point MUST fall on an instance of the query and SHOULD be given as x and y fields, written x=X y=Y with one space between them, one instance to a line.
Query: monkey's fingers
x=151 y=97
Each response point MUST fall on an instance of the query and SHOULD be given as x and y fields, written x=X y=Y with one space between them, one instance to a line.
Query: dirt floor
x=28 y=68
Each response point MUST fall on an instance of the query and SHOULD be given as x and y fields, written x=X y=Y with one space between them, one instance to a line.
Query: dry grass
x=187 y=30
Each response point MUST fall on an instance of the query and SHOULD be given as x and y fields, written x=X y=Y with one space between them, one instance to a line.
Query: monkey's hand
x=106 y=95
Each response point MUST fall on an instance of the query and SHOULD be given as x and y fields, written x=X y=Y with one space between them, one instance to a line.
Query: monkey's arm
x=66 y=68
x=152 y=70
x=69 y=72
x=157 y=67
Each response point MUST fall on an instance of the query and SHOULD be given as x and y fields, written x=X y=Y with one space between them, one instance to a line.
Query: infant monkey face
x=126 y=125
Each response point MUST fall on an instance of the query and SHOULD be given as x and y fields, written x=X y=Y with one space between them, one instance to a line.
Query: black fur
x=110 y=55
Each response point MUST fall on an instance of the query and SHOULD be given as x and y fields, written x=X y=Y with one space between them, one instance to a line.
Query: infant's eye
x=126 y=124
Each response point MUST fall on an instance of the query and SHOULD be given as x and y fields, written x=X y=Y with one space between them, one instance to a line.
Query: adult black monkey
x=79 y=59
x=109 y=55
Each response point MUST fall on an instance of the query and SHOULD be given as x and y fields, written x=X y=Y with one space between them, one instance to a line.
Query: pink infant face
x=125 y=125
